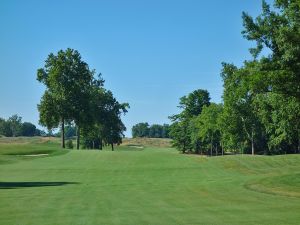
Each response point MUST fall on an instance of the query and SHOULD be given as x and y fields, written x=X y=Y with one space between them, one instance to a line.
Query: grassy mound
x=13 y=148
x=287 y=185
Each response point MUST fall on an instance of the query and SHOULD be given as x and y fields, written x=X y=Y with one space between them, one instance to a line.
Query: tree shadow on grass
x=14 y=185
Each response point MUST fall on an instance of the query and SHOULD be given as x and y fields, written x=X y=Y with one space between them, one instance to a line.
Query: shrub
x=69 y=144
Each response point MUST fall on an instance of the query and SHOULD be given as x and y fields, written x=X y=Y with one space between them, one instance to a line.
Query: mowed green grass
x=144 y=186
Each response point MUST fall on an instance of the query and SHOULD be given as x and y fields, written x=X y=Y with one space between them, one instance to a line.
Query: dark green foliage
x=39 y=132
x=105 y=125
x=153 y=131
x=28 y=129
x=182 y=129
x=113 y=127
x=159 y=131
x=74 y=95
x=262 y=97
x=67 y=79
x=13 y=127
x=277 y=29
x=181 y=134
x=261 y=109
x=193 y=103
x=70 y=131
x=15 y=124
x=5 y=128
x=69 y=144
x=47 y=108
x=208 y=129
x=140 y=130
x=280 y=117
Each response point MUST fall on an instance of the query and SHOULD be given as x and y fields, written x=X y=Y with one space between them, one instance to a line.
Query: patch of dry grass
x=148 y=142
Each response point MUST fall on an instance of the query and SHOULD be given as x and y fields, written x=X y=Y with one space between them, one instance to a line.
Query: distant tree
x=15 y=123
x=166 y=131
x=151 y=131
x=39 y=132
x=28 y=129
x=14 y=127
x=140 y=130
x=156 y=131
x=2 y=126
x=70 y=131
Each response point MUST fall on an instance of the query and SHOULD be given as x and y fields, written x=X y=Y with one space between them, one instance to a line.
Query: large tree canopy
x=67 y=79
x=277 y=28
x=181 y=131
x=73 y=94
x=261 y=108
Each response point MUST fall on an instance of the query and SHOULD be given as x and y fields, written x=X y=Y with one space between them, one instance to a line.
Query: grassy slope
x=147 y=142
x=149 y=186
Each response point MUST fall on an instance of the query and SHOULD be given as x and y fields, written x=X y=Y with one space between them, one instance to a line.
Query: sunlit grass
x=145 y=186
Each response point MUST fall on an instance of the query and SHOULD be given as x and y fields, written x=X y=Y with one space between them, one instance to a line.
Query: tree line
x=75 y=95
x=14 y=127
x=150 y=131
x=260 y=113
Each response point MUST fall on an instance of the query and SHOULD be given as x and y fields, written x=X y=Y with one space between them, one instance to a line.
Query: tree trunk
x=78 y=138
x=298 y=141
x=222 y=147
x=93 y=144
x=252 y=142
x=100 y=144
x=211 y=146
x=63 y=133
x=112 y=146
x=216 y=149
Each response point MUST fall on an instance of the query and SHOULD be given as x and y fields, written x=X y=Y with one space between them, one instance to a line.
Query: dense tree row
x=153 y=131
x=261 y=110
x=13 y=127
x=74 y=95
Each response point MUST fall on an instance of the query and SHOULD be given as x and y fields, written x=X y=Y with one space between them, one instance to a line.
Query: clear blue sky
x=150 y=52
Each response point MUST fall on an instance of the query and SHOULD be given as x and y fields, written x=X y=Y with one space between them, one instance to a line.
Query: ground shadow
x=13 y=185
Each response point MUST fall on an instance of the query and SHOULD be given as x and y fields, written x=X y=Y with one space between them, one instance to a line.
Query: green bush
x=70 y=144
